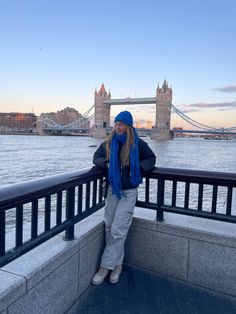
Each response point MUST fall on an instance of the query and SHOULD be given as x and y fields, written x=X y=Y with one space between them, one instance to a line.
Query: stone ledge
x=193 y=227
x=53 y=294
x=36 y=264
x=12 y=287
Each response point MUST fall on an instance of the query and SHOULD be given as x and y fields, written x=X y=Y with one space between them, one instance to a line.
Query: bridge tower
x=161 y=129
x=102 y=113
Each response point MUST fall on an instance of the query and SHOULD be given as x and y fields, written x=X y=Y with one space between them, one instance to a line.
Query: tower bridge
x=100 y=112
x=163 y=100
x=164 y=106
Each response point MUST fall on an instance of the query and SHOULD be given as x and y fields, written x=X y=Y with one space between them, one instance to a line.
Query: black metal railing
x=61 y=201
x=197 y=193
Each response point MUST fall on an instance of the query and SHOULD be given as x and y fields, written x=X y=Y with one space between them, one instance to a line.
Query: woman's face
x=120 y=127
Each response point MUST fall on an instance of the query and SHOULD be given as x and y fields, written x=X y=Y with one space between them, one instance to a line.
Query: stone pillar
x=39 y=126
x=102 y=113
x=161 y=130
x=98 y=132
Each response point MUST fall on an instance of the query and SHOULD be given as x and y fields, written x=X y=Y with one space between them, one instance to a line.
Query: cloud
x=189 y=110
x=226 y=89
x=220 y=105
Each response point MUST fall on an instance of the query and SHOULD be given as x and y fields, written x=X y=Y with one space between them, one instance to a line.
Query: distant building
x=17 y=122
x=66 y=116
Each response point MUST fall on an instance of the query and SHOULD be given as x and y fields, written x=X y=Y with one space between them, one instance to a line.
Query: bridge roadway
x=142 y=292
x=131 y=101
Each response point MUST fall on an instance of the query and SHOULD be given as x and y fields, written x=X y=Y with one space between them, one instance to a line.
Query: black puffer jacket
x=147 y=160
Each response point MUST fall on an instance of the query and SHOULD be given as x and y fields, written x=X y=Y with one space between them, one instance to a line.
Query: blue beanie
x=125 y=117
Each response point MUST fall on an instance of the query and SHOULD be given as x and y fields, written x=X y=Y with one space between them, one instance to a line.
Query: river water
x=25 y=157
x=29 y=157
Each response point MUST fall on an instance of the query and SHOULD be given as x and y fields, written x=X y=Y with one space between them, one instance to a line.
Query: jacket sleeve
x=147 y=158
x=99 y=157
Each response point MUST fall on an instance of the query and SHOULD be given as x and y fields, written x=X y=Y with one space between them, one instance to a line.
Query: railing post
x=70 y=211
x=147 y=190
x=160 y=199
x=19 y=225
x=80 y=199
x=87 y=196
x=214 y=199
x=47 y=217
x=59 y=208
x=2 y=232
x=34 y=219
x=100 y=190
x=94 y=192
x=229 y=200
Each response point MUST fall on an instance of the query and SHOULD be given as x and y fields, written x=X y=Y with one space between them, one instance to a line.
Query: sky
x=54 y=53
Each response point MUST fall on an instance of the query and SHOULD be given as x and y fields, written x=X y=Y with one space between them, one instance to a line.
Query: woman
x=125 y=156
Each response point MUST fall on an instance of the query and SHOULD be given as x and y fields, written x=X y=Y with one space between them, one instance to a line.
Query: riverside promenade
x=174 y=262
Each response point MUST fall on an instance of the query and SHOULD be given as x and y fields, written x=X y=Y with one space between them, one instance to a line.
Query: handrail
x=194 y=175
x=12 y=194
x=18 y=191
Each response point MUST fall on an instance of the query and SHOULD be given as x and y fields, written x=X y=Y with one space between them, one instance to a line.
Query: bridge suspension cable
x=233 y=128
x=88 y=111
x=191 y=121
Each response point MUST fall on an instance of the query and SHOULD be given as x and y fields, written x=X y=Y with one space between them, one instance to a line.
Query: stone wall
x=206 y=259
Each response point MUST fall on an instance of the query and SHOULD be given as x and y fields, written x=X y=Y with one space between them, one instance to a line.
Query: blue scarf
x=115 y=163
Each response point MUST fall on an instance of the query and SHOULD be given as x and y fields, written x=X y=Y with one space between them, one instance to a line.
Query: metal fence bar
x=47 y=217
x=34 y=219
x=186 y=197
x=94 y=192
x=200 y=196
x=174 y=191
x=2 y=232
x=229 y=200
x=80 y=199
x=160 y=199
x=87 y=199
x=147 y=190
x=70 y=211
x=19 y=225
x=100 y=191
x=59 y=208
x=214 y=198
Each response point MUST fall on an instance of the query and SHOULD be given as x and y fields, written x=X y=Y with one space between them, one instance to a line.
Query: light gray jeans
x=118 y=218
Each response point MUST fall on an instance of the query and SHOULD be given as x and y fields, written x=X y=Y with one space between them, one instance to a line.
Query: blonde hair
x=124 y=155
